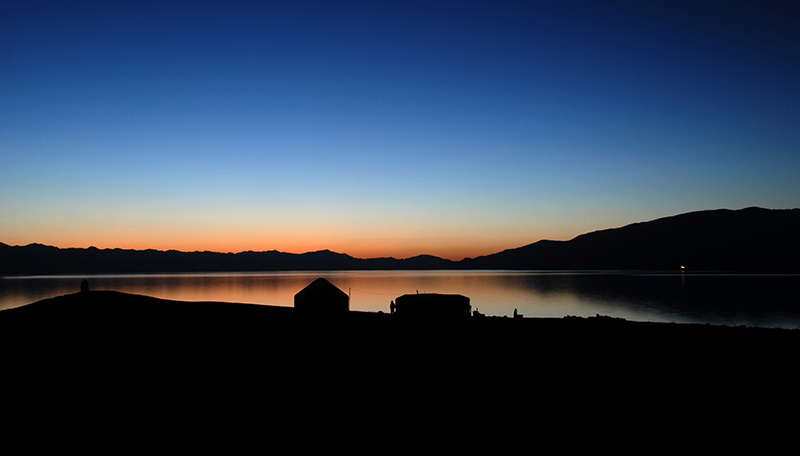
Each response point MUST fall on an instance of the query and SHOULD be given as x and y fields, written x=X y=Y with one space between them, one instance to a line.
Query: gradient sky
x=384 y=128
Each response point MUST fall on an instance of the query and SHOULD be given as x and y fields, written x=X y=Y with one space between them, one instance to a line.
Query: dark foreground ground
x=112 y=371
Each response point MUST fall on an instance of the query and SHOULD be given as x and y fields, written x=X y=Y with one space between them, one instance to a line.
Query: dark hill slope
x=103 y=364
x=752 y=239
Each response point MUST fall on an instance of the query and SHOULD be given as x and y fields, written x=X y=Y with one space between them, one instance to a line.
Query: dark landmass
x=35 y=259
x=100 y=366
x=746 y=240
x=751 y=239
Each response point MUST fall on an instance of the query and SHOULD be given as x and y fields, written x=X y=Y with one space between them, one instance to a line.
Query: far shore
x=589 y=383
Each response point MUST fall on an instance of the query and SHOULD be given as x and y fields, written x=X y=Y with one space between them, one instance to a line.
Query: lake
x=727 y=299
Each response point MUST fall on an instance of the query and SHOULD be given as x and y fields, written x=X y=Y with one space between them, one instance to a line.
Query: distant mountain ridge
x=35 y=259
x=748 y=240
x=751 y=239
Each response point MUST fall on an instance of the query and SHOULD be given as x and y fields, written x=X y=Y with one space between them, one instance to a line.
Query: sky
x=388 y=128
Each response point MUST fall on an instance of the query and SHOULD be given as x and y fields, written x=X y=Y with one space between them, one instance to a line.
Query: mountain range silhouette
x=746 y=240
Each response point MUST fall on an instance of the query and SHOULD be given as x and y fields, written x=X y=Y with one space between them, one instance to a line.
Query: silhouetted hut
x=322 y=297
x=433 y=305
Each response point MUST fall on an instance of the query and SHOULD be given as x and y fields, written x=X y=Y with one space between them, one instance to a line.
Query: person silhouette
x=84 y=286
x=515 y=312
x=392 y=307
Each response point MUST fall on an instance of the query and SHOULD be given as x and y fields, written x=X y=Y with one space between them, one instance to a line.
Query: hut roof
x=322 y=297
x=320 y=288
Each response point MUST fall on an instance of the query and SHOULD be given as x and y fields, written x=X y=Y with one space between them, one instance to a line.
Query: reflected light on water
x=718 y=299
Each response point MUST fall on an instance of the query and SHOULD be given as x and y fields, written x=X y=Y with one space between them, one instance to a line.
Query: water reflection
x=761 y=300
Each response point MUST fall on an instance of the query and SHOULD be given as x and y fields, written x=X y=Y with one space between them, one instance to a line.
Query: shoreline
x=129 y=358
x=757 y=300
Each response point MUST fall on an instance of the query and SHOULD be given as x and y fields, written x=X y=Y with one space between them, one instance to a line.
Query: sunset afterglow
x=376 y=129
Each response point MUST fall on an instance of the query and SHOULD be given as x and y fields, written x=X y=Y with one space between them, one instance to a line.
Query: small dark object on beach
x=432 y=305
x=85 y=286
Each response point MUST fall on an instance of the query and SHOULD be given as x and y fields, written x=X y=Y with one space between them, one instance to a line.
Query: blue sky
x=388 y=128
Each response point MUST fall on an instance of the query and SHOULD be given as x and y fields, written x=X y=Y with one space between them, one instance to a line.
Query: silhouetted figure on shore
x=85 y=286
x=392 y=307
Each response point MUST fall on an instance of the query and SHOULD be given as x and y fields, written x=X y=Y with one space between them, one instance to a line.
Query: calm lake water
x=753 y=300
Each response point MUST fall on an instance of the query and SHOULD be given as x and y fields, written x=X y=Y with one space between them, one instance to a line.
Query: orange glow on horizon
x=454 y=243
x=375 y=249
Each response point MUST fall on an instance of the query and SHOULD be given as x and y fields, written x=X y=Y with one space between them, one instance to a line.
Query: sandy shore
x=135 y=365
